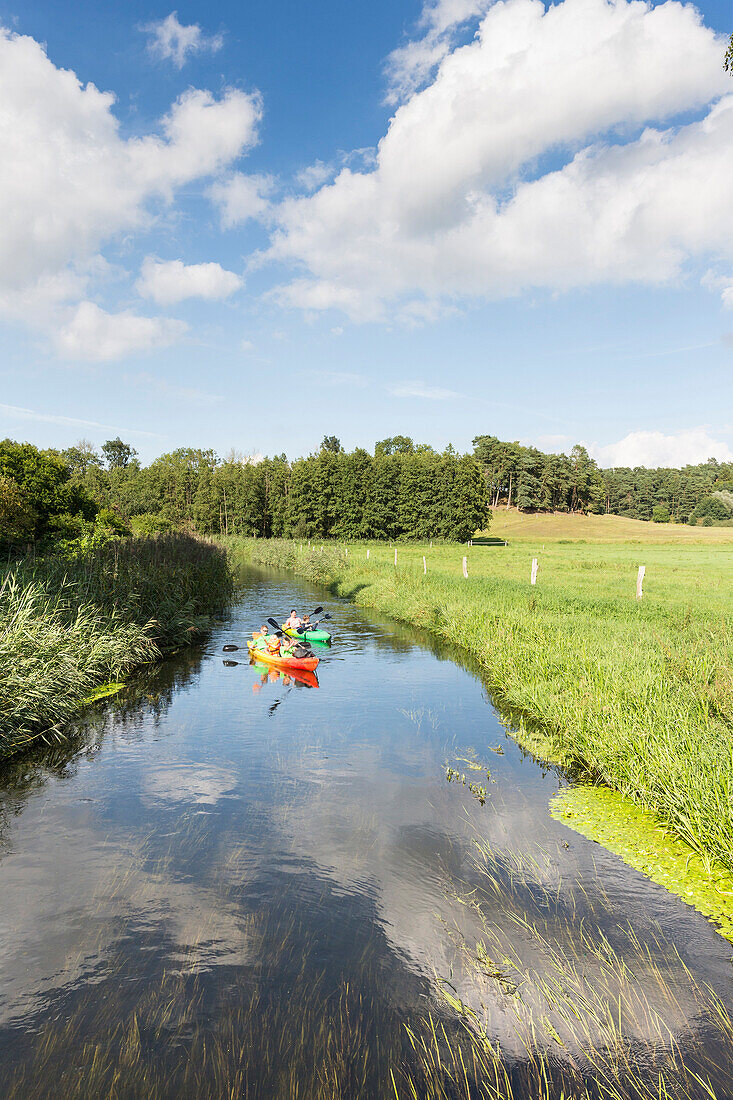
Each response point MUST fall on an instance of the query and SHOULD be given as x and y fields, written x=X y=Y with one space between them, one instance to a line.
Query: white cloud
x=173 y=41
x=93 y=334
x=314 y=175
x=16 y=412
x=727 y=297
x=410 y=65
x=645 y=448
x=419 y=389
x=70 y=183
x=241 y=198
x=452 y=209
x=171 y=281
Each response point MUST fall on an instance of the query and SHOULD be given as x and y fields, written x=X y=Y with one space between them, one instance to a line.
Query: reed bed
x=68 y=625
x=637 y=695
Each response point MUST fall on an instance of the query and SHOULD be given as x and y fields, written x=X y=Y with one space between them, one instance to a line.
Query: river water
x=231 y=884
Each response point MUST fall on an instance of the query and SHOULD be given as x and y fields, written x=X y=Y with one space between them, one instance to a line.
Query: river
x=231 y=884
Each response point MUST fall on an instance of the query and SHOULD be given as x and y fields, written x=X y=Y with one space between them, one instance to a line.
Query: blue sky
x=293 y=220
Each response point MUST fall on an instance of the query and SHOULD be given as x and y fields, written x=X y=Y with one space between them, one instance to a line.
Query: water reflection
x=228 y=884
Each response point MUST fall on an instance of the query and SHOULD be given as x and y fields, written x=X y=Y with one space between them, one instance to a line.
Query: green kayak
x=310 y=635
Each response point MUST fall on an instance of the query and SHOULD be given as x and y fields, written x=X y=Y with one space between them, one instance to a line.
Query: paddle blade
x=316 y=611
x=275 y=623
x=230 y=648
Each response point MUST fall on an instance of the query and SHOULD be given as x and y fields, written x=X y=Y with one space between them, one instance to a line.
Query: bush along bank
x=617 y=692
x=70 y=624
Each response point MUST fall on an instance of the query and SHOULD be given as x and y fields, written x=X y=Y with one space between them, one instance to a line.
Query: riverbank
x=636 y=695
x=69 y=625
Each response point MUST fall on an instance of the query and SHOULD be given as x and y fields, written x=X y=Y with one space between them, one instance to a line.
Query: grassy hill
x=555 y=526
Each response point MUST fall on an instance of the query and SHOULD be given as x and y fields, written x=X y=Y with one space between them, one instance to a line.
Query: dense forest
x=401 y=491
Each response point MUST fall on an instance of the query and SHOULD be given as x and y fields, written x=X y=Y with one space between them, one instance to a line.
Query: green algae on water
x=636 y=836
x=103 y=692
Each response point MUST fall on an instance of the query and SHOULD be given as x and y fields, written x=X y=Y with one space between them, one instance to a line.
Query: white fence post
x=535 y=564
x=465 y=568
x=640 y=582
x=367 y=553
x=424 y=565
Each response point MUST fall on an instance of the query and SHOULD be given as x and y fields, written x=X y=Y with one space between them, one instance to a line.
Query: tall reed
x=67 y=625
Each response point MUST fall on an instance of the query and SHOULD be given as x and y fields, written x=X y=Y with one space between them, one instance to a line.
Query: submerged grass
x=637 y=695
x=592 y=1016
x=69 y=625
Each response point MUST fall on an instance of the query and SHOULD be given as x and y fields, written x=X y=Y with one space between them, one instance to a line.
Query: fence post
x=640 y=582
x=465 y=568
x=533 y=578
x=347 y=551
x=424 y=565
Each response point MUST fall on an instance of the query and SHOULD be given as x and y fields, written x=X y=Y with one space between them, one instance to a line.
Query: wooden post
x=367 y=553
x=347 y=551
x=431 y=544
x=533 y=578
x=465 y=568
x=640 y=582
x=424 y=565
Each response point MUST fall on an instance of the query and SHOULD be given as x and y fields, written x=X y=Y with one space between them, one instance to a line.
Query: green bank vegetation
x=70 y=622
x=636 y=695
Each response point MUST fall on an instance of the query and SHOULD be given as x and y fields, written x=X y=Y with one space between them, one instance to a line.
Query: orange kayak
x=309 y=664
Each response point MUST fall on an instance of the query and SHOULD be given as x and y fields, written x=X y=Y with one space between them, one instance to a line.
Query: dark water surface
x=233 y=885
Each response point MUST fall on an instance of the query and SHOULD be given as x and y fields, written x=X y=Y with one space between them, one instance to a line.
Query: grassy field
x=513 y=525
x=69 y=625
x=634 y=694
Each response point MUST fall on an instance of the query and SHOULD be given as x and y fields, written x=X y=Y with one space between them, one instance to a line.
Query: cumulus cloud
x=314 y=175
x=171 y=281
x=70 y=183
x=94 y=335
x=174 y=41
x=241 y=198
x=648 y=448
x=455 y=207
x=410 y=65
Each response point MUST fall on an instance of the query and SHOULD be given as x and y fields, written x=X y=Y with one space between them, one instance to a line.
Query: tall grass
x=636 y=695
x=68 y=625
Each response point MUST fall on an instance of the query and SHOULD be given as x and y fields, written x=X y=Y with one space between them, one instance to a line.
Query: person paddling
x=293 y=622
x=267 y=643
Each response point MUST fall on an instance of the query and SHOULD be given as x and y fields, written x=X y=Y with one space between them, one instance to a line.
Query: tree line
x=402 y=490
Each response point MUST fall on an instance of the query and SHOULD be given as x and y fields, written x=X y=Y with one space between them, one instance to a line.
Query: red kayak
x=308 y=664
